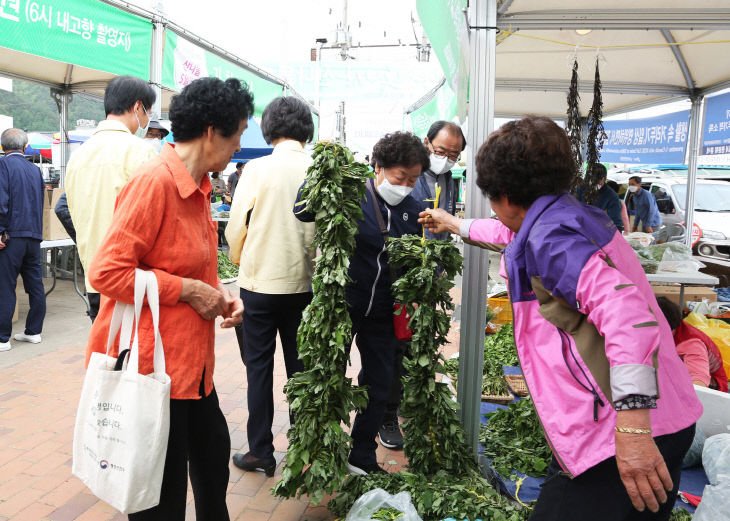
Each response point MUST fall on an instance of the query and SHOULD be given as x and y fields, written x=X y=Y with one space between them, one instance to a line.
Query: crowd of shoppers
x=134 y=203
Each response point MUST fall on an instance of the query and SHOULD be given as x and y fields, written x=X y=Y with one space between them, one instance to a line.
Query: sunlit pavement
x=39 y=391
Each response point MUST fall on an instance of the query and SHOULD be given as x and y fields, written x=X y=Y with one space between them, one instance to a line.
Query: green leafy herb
x=514 y=440
x=494 y=386
x=435 y=497
x=226 y=269
x=680 y=514
x=500 y=350
x=387 y=514
x=433 y=436
x=321 y=397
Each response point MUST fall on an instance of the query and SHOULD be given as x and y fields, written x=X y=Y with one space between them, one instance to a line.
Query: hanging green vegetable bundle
x=442 y=478
x=434 y=439
x=321 y=397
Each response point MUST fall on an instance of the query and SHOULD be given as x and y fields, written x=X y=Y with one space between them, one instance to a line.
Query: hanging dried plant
x=573 y=124
x=596 y=138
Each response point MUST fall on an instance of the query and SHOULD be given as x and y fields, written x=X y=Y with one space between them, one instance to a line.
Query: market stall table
x=683 y=279
x=527 y=488
x=54 y=245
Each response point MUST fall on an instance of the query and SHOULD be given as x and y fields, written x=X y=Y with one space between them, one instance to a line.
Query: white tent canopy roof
x=77 y=79
x=533 y=66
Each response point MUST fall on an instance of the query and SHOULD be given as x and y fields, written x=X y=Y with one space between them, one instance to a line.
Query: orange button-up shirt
x=162 y=222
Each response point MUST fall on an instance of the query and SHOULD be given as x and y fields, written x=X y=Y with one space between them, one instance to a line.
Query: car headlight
x=716 y=236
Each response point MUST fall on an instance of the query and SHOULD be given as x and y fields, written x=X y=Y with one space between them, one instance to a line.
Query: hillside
x=33 y=109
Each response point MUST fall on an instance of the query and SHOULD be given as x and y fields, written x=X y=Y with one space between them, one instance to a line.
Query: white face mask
x=392 y=194
x=155 y=142
x=441 y=164
x=141 y=131
x=633 y=189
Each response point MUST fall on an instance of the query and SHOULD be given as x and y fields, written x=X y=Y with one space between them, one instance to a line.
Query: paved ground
x=39 y=391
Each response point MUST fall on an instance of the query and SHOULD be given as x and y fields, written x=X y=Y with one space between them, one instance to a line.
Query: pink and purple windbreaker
x=588 y=328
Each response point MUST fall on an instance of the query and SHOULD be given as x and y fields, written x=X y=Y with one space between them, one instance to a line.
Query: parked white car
x=712 y=210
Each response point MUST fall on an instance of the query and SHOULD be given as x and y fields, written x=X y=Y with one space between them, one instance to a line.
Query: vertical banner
x=184 y=62
x=716 y=127
x=445 y=26
x=88 y=34
x=661 y=139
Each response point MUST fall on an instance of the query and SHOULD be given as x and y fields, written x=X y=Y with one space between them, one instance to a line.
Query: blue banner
x=716 y=128
x=661 y=139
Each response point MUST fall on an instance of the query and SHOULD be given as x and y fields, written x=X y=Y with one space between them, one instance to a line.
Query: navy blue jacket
x=370 y=294
x=21 y=197
x=447 y=201
x=609 y=202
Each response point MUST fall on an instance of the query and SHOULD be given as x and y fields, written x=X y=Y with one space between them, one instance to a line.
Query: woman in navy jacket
x=399 y=158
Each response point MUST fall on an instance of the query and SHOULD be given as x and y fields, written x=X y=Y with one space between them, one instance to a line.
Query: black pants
x=94 y=302
x=21 y=256
x=599 y=494
x=376 y=343
x=198 y=437
x=263 y=315
x=396 y=383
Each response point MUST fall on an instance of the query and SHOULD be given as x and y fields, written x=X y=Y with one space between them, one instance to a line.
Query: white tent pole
x=482 y=74
x=158 y=39
x=693 y=139
x=62 y=97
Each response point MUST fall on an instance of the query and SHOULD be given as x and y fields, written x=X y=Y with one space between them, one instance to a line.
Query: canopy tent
x=253 y=144
x=78 y=46
x=519 y=54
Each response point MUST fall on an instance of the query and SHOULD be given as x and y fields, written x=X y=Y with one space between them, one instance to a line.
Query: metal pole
x=63 y=100
x=158 y=34
x=482 y=51
x=693 y=140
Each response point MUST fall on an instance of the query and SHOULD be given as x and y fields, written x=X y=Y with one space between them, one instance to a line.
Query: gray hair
x=14 y=139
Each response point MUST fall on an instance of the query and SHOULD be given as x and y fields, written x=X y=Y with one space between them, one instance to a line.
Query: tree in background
x=33 y=109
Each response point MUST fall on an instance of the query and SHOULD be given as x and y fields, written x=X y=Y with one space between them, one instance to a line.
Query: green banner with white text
x=184 y=62
x=79 y=32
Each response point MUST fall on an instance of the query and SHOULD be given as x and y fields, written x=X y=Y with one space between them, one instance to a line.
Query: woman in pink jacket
x=617 y=406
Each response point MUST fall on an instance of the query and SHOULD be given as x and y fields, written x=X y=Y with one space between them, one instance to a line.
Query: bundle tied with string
x=573 y=124
x=595 y=141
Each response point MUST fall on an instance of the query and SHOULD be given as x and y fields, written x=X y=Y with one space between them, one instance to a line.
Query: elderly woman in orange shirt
x=162 y=223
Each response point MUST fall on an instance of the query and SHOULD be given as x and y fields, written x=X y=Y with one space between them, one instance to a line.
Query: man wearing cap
x=156 y=133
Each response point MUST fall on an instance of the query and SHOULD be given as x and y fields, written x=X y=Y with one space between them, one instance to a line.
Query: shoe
x=5 y=346
x=22 y=337
x=250 y=462
x=363 y=470
x=390 y=436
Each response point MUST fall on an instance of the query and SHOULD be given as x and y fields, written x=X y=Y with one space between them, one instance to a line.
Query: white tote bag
x=123 y=420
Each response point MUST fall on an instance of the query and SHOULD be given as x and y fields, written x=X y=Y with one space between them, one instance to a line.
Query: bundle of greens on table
x=499 y=350
x=514 y=440
x=226 y=269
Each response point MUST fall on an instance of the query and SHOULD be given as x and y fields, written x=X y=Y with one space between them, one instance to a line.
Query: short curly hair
x=524 y=160
x=287 y=117
x=208 y=102
x=401 y=149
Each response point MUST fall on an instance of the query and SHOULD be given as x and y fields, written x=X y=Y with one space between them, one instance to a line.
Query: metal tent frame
x=489 y=89
x=92 y=83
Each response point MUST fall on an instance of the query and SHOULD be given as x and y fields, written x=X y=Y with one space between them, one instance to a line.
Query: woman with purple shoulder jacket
x=616 y=403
